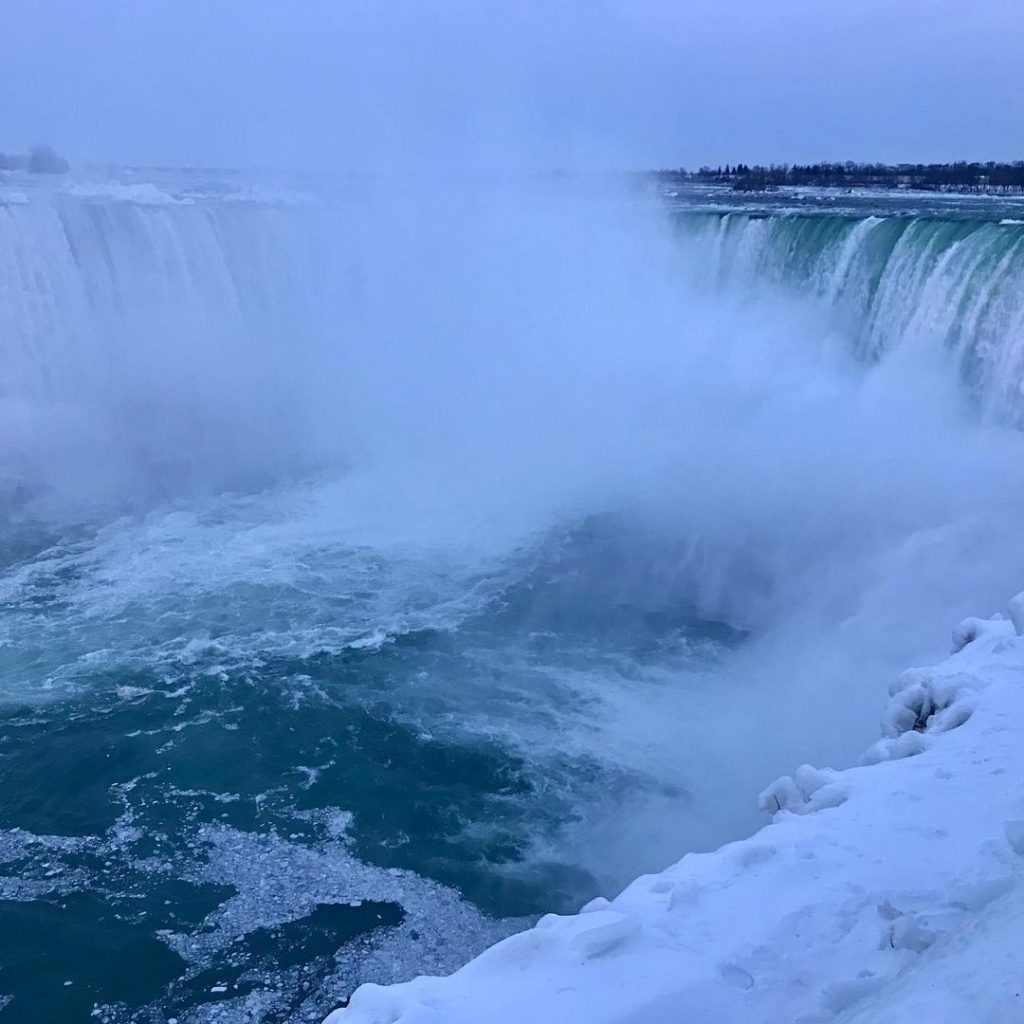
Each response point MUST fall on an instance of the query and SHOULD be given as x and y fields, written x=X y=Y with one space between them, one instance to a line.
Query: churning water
x=381 y=567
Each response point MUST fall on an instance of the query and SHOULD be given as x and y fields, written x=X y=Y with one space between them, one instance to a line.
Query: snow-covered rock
x=889 y=892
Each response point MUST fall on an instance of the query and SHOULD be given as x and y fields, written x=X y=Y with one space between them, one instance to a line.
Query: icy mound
x=884 y=893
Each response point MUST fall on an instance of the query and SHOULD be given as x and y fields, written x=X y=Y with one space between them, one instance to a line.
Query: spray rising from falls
x=506 y=537
x=190 y=335
x=141 y=332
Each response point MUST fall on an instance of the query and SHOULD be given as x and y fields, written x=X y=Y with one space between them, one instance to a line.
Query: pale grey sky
x=620 y=83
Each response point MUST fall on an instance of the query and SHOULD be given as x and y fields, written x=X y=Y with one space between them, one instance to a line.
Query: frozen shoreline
x=882 y=893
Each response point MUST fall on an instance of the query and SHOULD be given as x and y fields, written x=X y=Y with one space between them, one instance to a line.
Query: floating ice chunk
x=131 y=692
x=373 y=641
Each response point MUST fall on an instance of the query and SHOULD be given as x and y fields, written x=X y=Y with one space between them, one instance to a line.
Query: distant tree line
x=39 y=160
x=961 y=176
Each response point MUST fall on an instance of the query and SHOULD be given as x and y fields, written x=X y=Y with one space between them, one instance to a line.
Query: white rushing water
x=943 y=281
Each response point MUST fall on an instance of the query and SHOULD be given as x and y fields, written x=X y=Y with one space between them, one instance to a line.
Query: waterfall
x=890 y=281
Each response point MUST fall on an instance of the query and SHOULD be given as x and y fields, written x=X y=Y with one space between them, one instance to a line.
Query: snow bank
x=143 y=192
x=888 y=892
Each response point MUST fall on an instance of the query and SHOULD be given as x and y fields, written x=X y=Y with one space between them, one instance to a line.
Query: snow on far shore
x=147 y=193
x=144 y=193
x=888 y=893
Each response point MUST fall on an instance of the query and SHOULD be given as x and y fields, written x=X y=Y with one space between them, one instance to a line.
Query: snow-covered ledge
x=881 y=894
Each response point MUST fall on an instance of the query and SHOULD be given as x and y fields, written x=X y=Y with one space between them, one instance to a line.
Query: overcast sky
x=548 y=83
